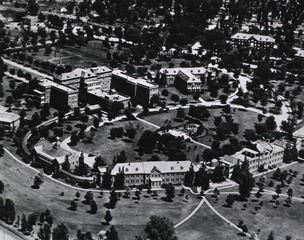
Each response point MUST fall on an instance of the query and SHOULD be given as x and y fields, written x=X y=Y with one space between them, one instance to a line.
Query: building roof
x=135 y=81
x=8 y=117
x=300 y=53
x=100 y=69
x=230 y=160
x=264 y=38
x=49 y=83
x=246 y=36
x=188 y=77
x=50 y=149
x=118 y=97
x=192 y=70
x=147 y=167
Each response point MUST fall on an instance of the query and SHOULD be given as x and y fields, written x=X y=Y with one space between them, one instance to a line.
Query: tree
x=31 y=221
x=108 y=217
x=112 y=233
x=183 y=101
x=1 y=187
x=250 y=135
x=165 y=92
x=147 y=141
x=12 y=84
x=9 y=100
x=9 y=210
x=24 y=225
x=223 y=98
x=60 y=232
x=271 y=123
x=180 y=113
x=73 y=205
x=230 y=200
x=175 y=98
x=89 y=196
x=170 y=192
x=44 y=232
x=270 y=236
x=93 y=206
x=160 y=228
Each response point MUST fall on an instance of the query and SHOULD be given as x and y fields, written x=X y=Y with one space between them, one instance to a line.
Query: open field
x=297 y=184
x=76 y=56
x=105 y=146
x=206 y=225
x=244 y=119
x=282 y=220
x=129 y=217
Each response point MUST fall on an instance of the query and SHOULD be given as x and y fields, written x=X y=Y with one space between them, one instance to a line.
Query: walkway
x=27 y=69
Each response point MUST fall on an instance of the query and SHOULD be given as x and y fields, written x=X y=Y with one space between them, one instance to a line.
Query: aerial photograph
x=151 y=119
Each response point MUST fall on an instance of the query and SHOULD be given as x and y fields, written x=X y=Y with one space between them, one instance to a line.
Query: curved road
x=7 y=234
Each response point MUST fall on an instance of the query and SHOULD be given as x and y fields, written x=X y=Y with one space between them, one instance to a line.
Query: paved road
x=28 y=69
x=6 y=234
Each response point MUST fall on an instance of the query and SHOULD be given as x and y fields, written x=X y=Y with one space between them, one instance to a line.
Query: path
x=27 y=69
x=7 y=234
x=225 y=219
x=191 y=214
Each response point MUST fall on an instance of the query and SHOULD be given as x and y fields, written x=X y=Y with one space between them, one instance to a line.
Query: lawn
x=84 y=56
x=297 y=184
x=206 y=225
x=282 y=220
x=246 y=120
x=129 y=217
x=107 y=147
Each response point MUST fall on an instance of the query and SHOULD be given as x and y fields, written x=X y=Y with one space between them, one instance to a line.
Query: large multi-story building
x=169 y=74
x=128 y=85
x=57 y=95
x=104 y=75
x=91 y=79
x=262 y=153
x=186 y=82
x=154 y=173
x=246 y=40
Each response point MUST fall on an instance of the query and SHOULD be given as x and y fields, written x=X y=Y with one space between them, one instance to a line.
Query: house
x=154 y=173
x=9 y=121
x=168 y=75
x=130 y=86
x=261 y=154
x=186 y=82
x=246 y=40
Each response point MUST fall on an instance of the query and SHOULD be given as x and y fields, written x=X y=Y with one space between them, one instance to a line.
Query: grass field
x=129 y=217
x=76 y=56
x=297 y=184
x=107 y=147
x=282 y=220
x=206 y=225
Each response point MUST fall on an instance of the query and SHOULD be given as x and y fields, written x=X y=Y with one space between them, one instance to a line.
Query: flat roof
x=47 y=83
x=110 y=97
x=8 y=117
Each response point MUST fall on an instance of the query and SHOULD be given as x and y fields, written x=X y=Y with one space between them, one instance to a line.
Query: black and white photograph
x=151 y=120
